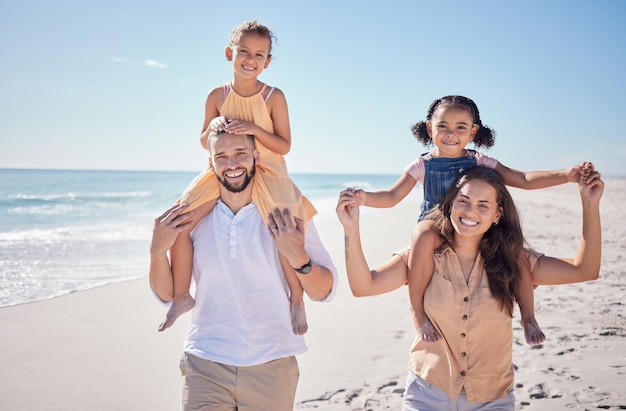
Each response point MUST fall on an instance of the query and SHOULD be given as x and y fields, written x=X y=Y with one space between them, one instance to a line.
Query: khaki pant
x=211 y=386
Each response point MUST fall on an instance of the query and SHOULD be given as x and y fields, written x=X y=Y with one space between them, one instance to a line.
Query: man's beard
x=236 y=189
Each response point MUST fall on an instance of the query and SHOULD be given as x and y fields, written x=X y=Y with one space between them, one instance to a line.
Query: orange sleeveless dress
x=271 y=185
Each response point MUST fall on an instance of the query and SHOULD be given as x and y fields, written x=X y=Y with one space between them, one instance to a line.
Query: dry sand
x=99 y=349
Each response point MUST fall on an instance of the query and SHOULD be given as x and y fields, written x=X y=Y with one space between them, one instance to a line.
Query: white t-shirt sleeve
x=320 y=256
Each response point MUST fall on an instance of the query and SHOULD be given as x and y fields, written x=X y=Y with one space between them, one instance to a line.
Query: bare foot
x=298 y=318
x=533 y=332
x=429 y=332
x=177 y=308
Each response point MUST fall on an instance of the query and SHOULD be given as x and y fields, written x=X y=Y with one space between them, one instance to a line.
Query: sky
x=121 y=85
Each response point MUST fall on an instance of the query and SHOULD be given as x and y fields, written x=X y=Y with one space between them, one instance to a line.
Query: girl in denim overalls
x=452 y=122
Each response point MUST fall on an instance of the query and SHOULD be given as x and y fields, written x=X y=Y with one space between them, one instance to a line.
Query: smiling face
x=233 y=159
x=250 y=55
x=451 y=129
x=474 y=209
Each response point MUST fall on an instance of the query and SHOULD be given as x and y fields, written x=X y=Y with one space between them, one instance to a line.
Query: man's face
x=233 y=159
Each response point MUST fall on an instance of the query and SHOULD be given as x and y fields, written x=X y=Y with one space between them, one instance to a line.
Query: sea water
x=64 y=231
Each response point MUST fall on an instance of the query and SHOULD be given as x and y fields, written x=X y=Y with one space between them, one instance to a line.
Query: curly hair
x=251 y=27
x=501 y=246
x=484 y=138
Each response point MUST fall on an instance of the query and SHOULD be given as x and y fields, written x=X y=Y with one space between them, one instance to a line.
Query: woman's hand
x=586 y=171
x=591 y=187
x=348 y=208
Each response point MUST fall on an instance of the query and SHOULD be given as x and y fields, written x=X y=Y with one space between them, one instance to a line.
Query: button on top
x=463 y=335
x=463 y=373
x=464 y=317
x=466 y=299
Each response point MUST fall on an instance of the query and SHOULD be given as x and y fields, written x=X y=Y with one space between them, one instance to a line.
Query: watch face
x=305 y=269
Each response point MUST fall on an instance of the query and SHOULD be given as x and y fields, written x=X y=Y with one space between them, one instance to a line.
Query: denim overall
x=439 y=174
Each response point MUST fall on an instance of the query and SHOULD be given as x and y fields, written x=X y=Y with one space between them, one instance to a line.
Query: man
x=240 y=349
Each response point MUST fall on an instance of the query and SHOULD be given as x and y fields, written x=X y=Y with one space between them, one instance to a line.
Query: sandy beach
x=99 y=349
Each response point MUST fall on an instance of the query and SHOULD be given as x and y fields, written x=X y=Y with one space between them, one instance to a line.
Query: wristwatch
x=305 y=269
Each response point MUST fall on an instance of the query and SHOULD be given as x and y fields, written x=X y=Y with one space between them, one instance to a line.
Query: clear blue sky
x=121 y=84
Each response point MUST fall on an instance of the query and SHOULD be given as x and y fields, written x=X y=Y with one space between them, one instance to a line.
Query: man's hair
x=219 y=133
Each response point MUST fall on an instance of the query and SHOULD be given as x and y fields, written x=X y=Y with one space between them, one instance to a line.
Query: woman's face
x=474 y=209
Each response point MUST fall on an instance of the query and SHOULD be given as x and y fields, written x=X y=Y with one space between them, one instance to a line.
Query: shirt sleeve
x=484 y=160
x=416 y=170
x=533 y=257
x=320 y=256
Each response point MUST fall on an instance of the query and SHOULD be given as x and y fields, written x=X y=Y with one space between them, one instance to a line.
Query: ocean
x=64 y=231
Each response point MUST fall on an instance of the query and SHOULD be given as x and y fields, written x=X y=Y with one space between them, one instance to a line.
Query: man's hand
x=167 y=226
x=288 y=233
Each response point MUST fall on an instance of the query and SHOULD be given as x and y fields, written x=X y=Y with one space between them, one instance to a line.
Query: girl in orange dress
x=245 y=106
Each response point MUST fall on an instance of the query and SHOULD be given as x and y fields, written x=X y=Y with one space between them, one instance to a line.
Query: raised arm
x=531 y=180
x=586 y=265
x=363 y=281
x=211 y=112
x=387 y=198
x=166 y=228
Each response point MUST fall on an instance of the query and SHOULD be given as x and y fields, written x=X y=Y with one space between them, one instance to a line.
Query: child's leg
x=526 y=302
x=296 y=299
x=421 y=265
x=181 y=255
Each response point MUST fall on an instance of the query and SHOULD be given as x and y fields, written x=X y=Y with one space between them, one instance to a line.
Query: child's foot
x=177 y=308
x=532 y=332
x=429 y=332
x=298 y=318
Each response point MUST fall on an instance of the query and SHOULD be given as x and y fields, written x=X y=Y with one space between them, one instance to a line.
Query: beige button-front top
x=476 y=351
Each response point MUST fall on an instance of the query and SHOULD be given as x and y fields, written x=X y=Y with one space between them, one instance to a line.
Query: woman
x=473 y=289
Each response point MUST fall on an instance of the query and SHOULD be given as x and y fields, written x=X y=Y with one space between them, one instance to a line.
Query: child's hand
x=237 y=126
x=585 y=170
x=218 y=124
x=360 y=196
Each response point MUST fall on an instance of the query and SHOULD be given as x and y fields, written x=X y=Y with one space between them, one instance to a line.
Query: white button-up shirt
x=242 y=316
